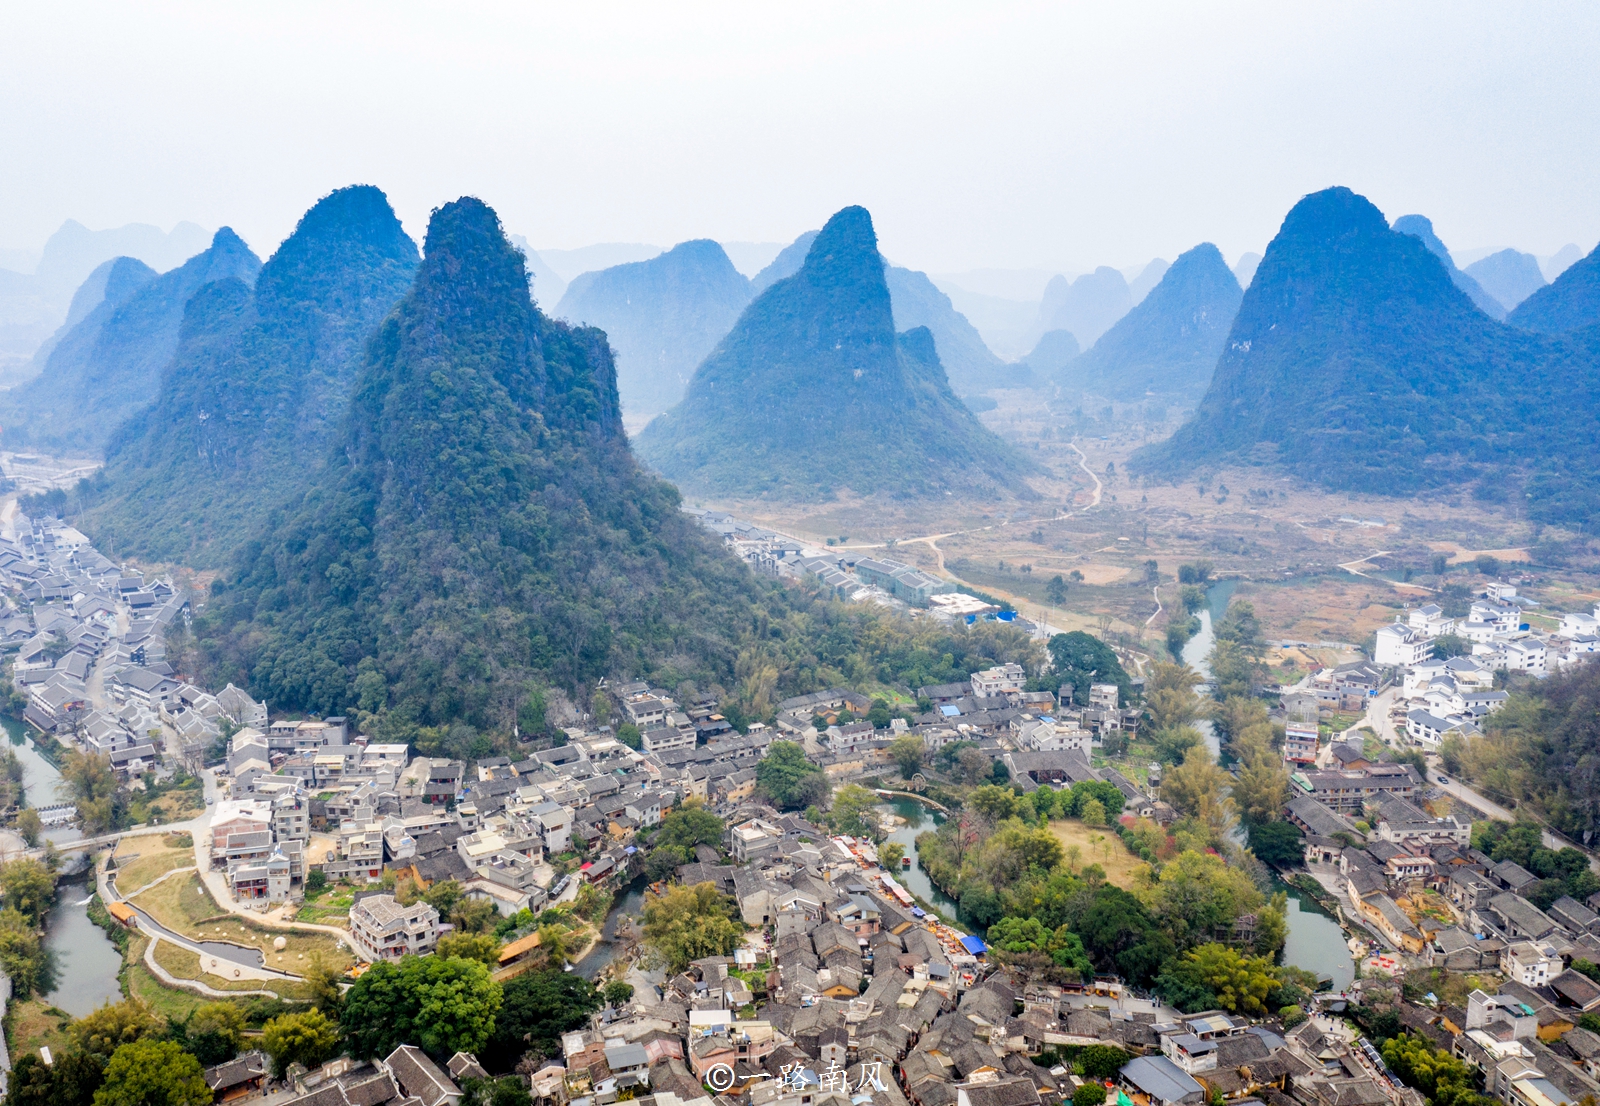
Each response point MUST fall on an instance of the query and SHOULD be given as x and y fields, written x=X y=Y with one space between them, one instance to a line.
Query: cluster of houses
x=1453 y=696
x=991 y=710
x=76 y=618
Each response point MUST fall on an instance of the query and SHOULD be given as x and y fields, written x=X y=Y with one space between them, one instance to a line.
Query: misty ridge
x=212 y=384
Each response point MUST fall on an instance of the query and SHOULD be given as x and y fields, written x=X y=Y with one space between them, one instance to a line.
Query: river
x=918 y=819
x=87 y=962
x=628 y=903
x=1316 y=943
x=1198 y=648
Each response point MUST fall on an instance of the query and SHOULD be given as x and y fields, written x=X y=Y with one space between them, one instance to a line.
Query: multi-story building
x=1002 y=679
x=1400 y=645
x=382 y=929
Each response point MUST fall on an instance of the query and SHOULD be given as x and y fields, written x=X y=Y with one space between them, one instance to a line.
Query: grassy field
x=186 y=965
x=183 y=906
x=157 y=857
x=1099 y=846
x=332 y=907
x=36 y=1023
x=163 y=1001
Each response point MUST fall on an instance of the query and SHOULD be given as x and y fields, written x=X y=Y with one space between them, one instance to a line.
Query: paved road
x=1377 y=717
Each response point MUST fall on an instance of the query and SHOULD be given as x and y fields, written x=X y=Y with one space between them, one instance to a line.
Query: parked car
x=1442 y=779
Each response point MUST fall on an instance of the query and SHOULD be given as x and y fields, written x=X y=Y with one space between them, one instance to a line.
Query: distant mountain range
x=480 y=529
x=1169 y=343
x=665 y=315
x=258 y=388
x=35 y=291
x=1088 y=306
x=1509 y=276
x=1421 y=228
x=814 y=393
x=662 y=317
x=1357 y=361
x=108 y=365
x=1571 y=302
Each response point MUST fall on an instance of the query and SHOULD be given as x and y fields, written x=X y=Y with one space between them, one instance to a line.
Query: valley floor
x=1319 y=566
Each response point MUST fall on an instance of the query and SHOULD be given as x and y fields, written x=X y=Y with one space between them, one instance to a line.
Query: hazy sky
x=1006 y=135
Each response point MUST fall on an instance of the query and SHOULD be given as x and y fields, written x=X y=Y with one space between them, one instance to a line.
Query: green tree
x=28 y=887
x=213 y=1032
x=994 y=803
x=1261 y=788
x=1276 y=843
x=1241 y=983
x=687 y=923
x=690 y=824
x=791 y=781
x=1103 y=1061
x=307 y=1038
x=23 y=956
x=1442 y=1079
x=1089 y=1094
x=29 y=826
x=1082 y=660
x=890 y=854
x=508 y=1090
x=1197 y=893
x=92 y=785
x=617 y=992
x=322 y=981
x=1176 y=745
x=1055 y=592
x=153 y=1073
x=1446 y=646
x=443 y=896
x=70 y=1081
x=537 y=1008
x=629 y=735
x=470 y=946
x=1198 y=788
x=101 y=1032
x=472 y=915
x=853 y=812
x=442 y=1005
x=663 y=861
x=907 y=752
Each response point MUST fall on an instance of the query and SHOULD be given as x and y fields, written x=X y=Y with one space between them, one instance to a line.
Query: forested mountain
x=971 y=366
x=1571 y=302
x=35 y=291
x=916 y=301
x=814 y=392
x=258 y=388
x=786 y=264
x=1421 y=228
x=1169 y=343
x=1509 y=276
x=107 y=288
x=1357 y=363
x=89 y=387
x=481 y=526
x=1087 y=306
x=662 y=316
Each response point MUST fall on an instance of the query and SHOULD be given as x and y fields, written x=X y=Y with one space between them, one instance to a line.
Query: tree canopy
x=441 y=1005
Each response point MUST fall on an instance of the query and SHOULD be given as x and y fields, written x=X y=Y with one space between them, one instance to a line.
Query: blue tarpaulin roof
x=949 y=711
x=974 y=945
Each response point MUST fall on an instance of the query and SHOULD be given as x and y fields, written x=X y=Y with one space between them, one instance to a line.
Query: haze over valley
x=897 y=555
